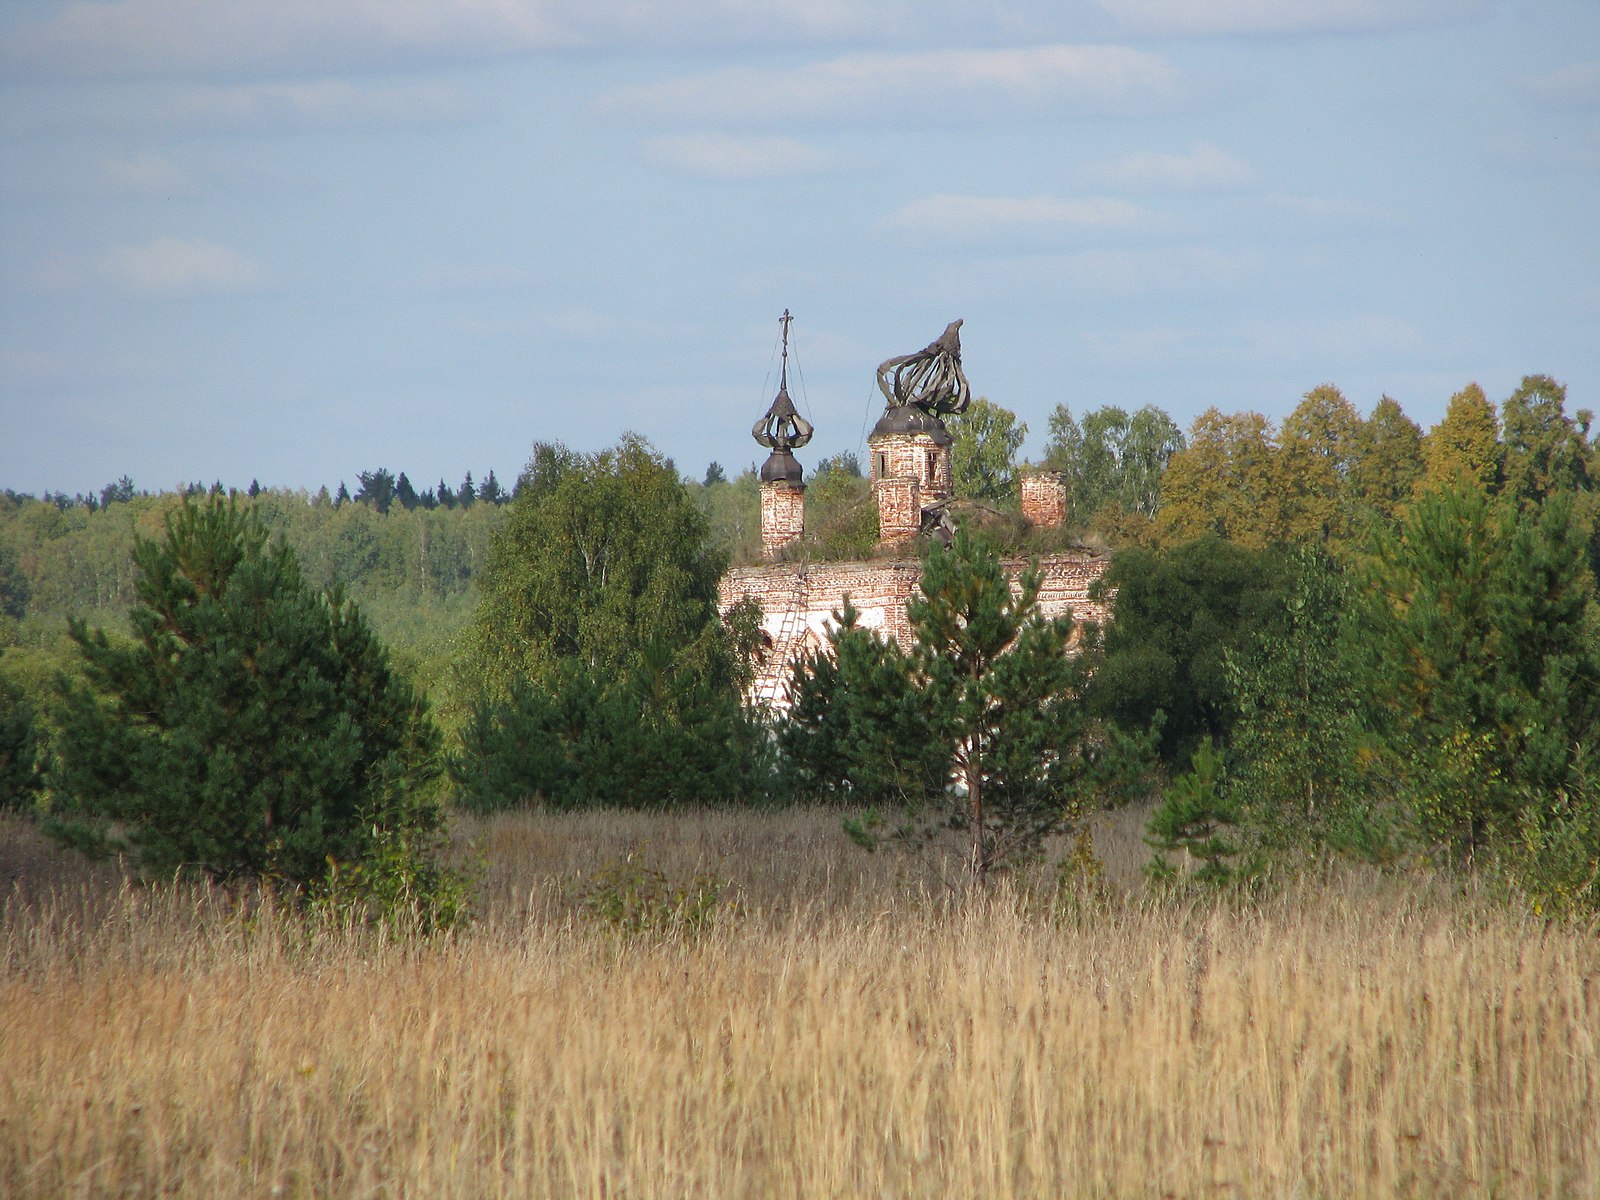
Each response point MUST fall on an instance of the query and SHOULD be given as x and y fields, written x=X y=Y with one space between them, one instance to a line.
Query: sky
x=292 y=240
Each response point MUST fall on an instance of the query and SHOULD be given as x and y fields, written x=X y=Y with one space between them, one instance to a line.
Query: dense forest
x=1338 y=634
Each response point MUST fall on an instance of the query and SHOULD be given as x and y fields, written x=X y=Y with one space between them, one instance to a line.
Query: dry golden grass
x=841 y=1034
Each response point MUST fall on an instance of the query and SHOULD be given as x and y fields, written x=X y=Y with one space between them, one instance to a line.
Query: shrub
x=251 y=729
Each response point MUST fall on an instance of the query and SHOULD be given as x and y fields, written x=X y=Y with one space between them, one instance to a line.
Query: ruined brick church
x=910 y=470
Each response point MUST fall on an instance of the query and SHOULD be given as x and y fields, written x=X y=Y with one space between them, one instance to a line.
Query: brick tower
x=783 y=494
x=910 y=446
x=1044 y=498
x=910 y=453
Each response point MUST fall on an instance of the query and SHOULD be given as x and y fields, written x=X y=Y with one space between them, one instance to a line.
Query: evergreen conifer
x=251 y=728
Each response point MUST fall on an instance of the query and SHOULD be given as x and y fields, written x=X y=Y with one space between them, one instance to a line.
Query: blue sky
x=294 y=239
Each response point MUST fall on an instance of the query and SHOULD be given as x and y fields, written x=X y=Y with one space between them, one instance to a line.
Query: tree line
x=1364 y=641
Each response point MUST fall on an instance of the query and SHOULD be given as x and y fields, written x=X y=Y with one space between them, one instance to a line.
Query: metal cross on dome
x=782 y=429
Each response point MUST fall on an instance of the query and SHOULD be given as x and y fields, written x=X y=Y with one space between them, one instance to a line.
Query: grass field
x=835 y=1028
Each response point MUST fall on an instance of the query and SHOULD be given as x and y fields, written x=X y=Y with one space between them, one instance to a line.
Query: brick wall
x=908 y=470
x=912 y=456
x=783 y=514
x=899 y=503
x=1044 y=498
x=798 y=600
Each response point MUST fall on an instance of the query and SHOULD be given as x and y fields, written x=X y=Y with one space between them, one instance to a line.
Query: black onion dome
x=911 y=419
x=780 y=467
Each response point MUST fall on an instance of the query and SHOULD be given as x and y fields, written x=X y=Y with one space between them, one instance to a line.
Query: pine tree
x=119 y=492
x=446 y=497
x=856 y=731
x=405 y=493
x=986 y=700
x=1493 y=673
x=490 y=491
x=20 y=777
x=466 y=495
x=251 y=728
x=1199 y=816
x=342 y=496
x=377 y=489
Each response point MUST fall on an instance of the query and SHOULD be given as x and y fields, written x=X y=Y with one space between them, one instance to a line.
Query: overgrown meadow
x=744 y=1004
x=587 y=926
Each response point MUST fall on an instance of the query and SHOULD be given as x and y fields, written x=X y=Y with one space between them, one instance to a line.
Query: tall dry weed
x=844 y=1035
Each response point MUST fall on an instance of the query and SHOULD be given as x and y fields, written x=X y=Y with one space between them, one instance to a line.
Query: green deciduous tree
x=600 y=556
x=1388 y=463
x=251 y=728
x=1177 y=615
x=983 y=457
x=1112 y=459
x=841 y=518
x=602 y=670
x=1302 y=692
x=1465 y=445
x=1543 y=450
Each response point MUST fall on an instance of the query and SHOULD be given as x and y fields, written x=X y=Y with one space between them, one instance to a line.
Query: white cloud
x=1169 y=270
x=1285 y=16
x=1323 y=210
x=985 y=216
x=712 y=155
x=1576 y=86
x=1192 y=271
x=170 y=266
x=319 y=104
x=307 y=37
x=143 y=175
x=204 y=37
x=1338 y=342
x=1204 y=168
x=931 y=83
